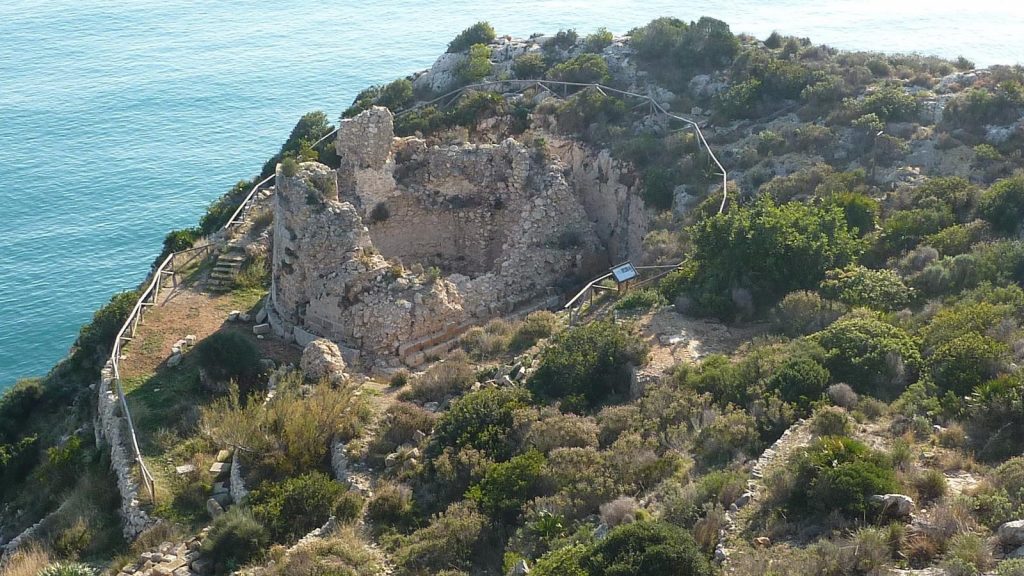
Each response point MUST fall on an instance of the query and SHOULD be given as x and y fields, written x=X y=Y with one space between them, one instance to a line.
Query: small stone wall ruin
x=409 y=243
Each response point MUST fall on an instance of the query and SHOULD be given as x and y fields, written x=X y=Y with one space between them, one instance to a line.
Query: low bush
x=875 y=357
x=831 y=421
x=508 y=485
x=391 y=508
x=838 y=474
x=1002 y=204
x=452 y=377
x=230 y=356
x=857 y=286
x=67 y=569
x=800 y=380
x=235 y=538
x=803 y=312
x=649 y=548
x=930 y=485
x=479 y=33
x=640 y=300
x=1011 y=567
x=588 y=366
x=536 y=326
x=583 y=69
x=476 y=66
x=964 y=362
x=599 y=40
x=529 y=66
x=292 y=508
x=482 y=420
x=453 y=540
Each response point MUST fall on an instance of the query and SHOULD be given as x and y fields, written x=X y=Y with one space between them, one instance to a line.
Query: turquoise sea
x=121 y=120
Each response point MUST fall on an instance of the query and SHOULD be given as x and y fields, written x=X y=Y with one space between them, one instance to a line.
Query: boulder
x=744 y=499
x=261 y=316
x=213 y=508
x=321 y=358
x=894 y=505
x=1012 y=534
x=174 y=360
x=762 y=542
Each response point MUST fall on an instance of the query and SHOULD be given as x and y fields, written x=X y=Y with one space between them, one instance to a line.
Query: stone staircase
x=225 y=270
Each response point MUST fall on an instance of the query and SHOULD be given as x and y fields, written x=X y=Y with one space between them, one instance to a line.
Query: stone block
x=233 y=315
x=261 y=329
x=190 y=339
x=185 y=469
x=213 y=508
x=223 y=455
x=261 y=316
x=219 y=469
x=174 y=359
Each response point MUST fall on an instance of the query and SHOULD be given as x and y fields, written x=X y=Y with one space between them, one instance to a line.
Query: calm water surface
x=122 y=120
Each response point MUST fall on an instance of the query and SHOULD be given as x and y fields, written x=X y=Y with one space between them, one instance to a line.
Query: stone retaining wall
x=112 y=430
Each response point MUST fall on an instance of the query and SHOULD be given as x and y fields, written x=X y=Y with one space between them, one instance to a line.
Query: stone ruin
x=409 y=243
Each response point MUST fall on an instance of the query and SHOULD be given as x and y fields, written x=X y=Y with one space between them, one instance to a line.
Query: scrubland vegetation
x=891 y=308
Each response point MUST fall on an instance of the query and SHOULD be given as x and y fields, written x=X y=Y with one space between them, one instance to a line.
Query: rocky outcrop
x=321 y=359
x=410 y=243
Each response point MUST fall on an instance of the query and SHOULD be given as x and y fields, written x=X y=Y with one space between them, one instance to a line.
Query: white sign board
x=624 y=272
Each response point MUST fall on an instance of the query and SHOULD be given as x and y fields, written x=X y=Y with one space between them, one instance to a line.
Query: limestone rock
x=895 y=505
x=213 y=508
x=261 y=329
x=762 y=542
x=520 y=569
x=321 y=358
x=1012 y=533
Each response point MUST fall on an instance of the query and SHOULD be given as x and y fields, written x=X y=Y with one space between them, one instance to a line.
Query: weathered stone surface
x=520 y=569
x=762 y=542
x=508 y=223
x=261 y=329
x=185 y=469
x=321 y=358
x=174 y=359
x=219 y=469
x=1012 y=533
x=213 y=508
x=895 y=505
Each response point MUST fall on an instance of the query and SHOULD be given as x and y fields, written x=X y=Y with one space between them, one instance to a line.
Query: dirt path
x=676 y=338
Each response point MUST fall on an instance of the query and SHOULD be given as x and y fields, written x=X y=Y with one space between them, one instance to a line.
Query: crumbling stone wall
x=409 y=243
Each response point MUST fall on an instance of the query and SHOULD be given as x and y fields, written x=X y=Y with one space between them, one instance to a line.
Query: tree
x=769 y=250
x=479 y=33
x=476 y=66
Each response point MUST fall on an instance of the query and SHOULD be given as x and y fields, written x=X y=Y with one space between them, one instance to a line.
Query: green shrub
x=234 y=539
x=583 y=69
x=290 y=509
x=890 y=104
x=839 y=474
x=801 y=380
x=561 y=562
x=479 y=33
x=476 y=66
x=482 y=420
x=599 y=40
x=757 y=248
x=17 y=404
x=176 y=241
x=931 y=485
x=971 y=549
x=229 y=355
x=310 y=128
x=96 y=338
x=529 y=66
x=1003 y=204
x=872 y=356
x=995 y=418
x=732 y=435
x=974 y=108
x=966 y=361
x=452 y=541
x=563 y=40
x=1011 y=567
x=659 y=187
x=453 y=376
x=536 y=326
x=642 y=299
x=831 y=421
x=589 y=111
x=1010 y=476
x=858 y=286
x=803 y=312
x=508 y=485
x=396 y=95
x=649 y=548
x=588 y=365
x=391 y=508
x=67 y=569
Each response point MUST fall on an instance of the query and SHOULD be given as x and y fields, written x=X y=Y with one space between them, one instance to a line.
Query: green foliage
x=583 y=69
x=292 y=508
x=659 y=187
x=453 y=376
x=452 y=541
x=508 y=485
x=1011 y=567
x=995 y=418
x=476 y=66
x=698 y=46
x=229 y=355
x=1003 y=204
x=889 y=104
x=561 y=562
x=479 y=33
x=563 y=40
x=589 y=112
x=17 y=460
x=903 y=229
x=391 y=508
x=857 y=286
x=425 y=120
x=803 y=312
x=831 y=421
x=733 y=435
x=396 y=95
x=839 y=474
x=17 y=405
x=176 y=241
x=588 y=366
x=234 y=539
x=97 y=337
x=529 y=66
x=974 y=108
x=740 y=100
x=599 y=40
x=860 y=210
x=482 y=420
x=535 y=326
x=800 y=380
x=767 y=249
x=310 y=128
x=874 y=357
x=964 y=362
x=220 y=210
x=642 y=299
x=648 y=548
